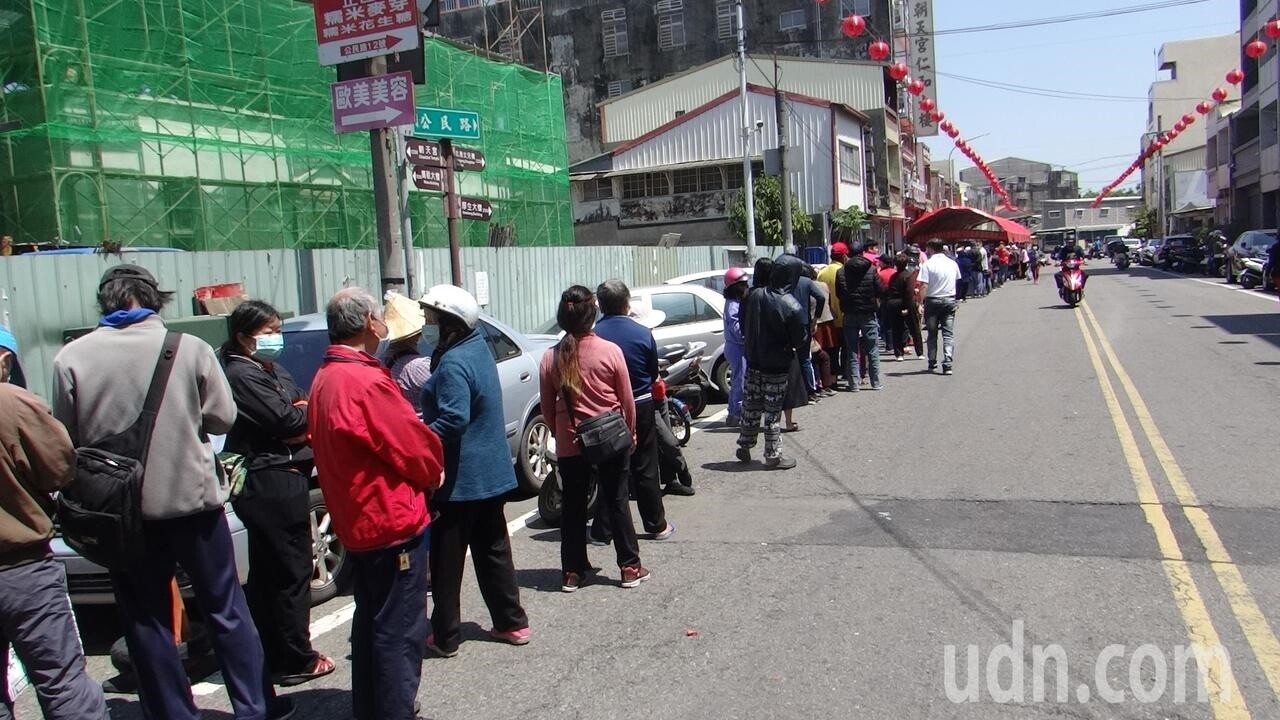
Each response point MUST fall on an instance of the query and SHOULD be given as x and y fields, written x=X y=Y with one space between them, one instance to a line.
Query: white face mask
x=384 y=341
x=431 y=335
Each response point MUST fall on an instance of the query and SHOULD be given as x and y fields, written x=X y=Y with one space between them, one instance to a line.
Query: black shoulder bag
x=100 y=512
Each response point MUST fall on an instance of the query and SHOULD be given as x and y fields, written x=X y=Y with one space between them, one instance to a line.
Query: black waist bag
x=604 y=437
x=100 y=512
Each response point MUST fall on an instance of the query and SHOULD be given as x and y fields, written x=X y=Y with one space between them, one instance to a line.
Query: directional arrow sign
x=358 y=29
x=429 y=178
x=424 y=152
x=466 y=159
x=474 y=208
x=447 y=123
x=373 y=102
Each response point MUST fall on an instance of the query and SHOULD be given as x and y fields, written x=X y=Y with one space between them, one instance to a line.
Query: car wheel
x=534 y=448
x=1247 y=282
x=722 y=376
x=329 y=569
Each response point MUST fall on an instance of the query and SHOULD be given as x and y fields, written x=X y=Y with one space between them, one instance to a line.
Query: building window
x=452 y=5
x=644 y=185
x=670 y=23
x=726 y=20
x=733 y=177
x=849 y=171
x=619 y=87
x=614 y=24
x=792 y=20
x=698 y=180
x=710 y=179
x=685 y=181
x=1079 y=214
x=1055 y=213
x=1104 y=212
x=598 y=189
x=855 y=7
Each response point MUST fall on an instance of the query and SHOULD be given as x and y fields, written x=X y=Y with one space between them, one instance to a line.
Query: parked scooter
x=1121 y=260
x=1253 y=274
x=681 y=367
x=1072 y=288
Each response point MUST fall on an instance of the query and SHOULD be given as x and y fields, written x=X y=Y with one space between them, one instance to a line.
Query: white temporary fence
x=41 y=296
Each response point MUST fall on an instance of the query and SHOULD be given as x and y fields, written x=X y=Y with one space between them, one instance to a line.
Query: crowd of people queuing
x=407 y=445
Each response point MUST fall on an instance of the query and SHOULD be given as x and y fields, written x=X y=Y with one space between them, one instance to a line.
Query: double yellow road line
x=1228 y=703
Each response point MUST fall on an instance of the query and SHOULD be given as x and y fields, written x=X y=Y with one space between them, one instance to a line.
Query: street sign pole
x=386 y=199
x=451 y=212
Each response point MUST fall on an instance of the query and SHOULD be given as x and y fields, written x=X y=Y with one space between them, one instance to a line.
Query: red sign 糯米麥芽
x=358 y=29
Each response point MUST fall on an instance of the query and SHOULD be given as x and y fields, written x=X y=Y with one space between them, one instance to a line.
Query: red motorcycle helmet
x=733 y=276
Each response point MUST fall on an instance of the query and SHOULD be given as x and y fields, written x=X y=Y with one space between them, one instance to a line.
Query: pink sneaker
x=511 y=637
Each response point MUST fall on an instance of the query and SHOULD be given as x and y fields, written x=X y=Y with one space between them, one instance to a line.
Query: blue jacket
x=638 y=348
x=462 y=403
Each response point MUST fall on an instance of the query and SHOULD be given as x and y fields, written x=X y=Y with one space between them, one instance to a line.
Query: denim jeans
x=862 y=332
x=389 y=629
x=940 y=316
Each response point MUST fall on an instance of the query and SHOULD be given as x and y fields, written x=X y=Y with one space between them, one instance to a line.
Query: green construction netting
x=206 y=125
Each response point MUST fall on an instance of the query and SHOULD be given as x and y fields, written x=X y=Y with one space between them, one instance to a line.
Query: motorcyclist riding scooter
x=1072 y=263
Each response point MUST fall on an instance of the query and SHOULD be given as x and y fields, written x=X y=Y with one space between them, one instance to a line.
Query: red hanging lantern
x=945 y=126
x=1219 y=95
x=954 y=132
x=916 y=87
x=879 y=50
x=823 y=2
x=1235 y=77
x=937 y=116
x=1273 y=29
x=853 y=26
x=927 y=104
x=1179 y=126
x=1188 y=119
x=1255 y=49
x=1204 y=108
x=899 y=71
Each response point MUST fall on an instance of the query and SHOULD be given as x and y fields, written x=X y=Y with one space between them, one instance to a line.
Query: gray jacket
x=100 y=382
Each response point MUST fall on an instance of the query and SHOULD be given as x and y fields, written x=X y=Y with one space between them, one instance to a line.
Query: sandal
x=323 y=666
x=793 y=427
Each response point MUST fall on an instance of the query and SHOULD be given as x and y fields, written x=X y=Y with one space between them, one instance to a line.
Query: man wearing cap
x=99 y=386
x=36 y=459
x=640 y=351
x=831 y=335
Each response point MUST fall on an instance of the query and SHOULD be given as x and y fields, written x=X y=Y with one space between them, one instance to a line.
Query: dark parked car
x=1170 y=250
x=1250 y=244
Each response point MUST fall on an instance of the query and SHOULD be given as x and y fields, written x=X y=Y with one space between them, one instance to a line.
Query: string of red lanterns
x=854 y=26
x=1255 y=50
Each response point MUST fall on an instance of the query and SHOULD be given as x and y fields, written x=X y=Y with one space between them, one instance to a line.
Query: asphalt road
x=1099 y=482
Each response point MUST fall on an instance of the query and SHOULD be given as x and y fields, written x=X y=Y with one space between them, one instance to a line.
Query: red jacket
x=376 y=459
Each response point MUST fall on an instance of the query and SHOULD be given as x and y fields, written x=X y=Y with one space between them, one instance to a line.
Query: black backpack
x=100 y=512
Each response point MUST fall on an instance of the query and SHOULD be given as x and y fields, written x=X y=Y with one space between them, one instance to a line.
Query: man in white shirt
x=937 y=283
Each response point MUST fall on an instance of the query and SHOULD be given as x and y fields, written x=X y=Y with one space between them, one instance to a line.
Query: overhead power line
x=1076 y=17
x=1053 y=92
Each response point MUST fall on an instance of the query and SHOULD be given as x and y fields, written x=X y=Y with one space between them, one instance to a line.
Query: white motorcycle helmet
x=454 y=301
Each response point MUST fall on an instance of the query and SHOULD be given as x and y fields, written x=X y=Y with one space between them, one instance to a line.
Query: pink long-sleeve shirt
x=605 y=387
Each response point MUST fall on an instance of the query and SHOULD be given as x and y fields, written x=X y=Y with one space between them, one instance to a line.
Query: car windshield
x=1258 y=240
x=552 y=327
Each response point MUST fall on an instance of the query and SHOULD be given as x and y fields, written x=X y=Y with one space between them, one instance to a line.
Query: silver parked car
x=694 y=313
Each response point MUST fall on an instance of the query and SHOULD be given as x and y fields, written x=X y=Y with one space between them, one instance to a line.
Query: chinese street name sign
x=359 y=29
x=474 y=208
x=468 y=160
x=429 y=178
x=447 y=123
x=379 y=101
x=424 y=152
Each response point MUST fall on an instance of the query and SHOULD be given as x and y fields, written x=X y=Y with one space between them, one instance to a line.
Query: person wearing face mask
x=462 y=404
x=409 y=368
x=270 y=431
x=377 y=463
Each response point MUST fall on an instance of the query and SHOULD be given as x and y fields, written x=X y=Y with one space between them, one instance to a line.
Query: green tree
x=849 y=222
x=1147 y=223
x=768 y=196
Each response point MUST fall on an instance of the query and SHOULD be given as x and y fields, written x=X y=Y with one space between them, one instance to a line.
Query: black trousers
x=389 y=630
x=202 y=545
x=671 y=460
x=645 y=477
x=480 y=526
x=614 y=506
x=274 y=512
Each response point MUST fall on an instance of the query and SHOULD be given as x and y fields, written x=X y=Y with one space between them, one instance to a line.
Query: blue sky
x=1111 y=56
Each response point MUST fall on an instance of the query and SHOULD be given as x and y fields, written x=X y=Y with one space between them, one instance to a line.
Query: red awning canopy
x=963 y=223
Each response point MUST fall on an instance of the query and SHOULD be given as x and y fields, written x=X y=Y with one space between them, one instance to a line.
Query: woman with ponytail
x=581 y=377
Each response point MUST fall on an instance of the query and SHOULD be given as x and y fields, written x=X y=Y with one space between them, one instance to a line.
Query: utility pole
x=387 y=179
x=452 y=212
x=748 y=183
x=780 y=108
